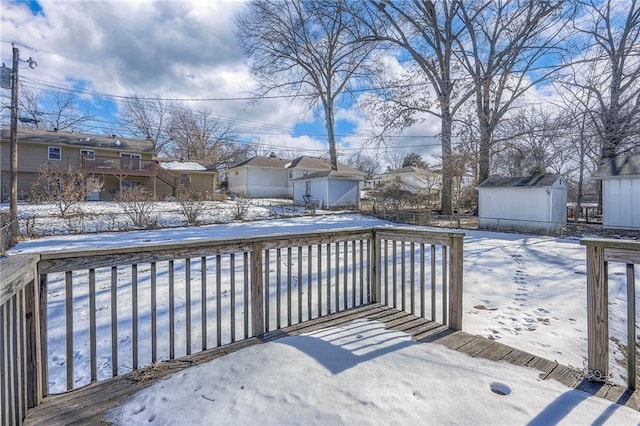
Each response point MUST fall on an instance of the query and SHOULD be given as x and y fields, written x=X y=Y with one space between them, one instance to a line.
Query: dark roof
x=87 y=140
x=315 y=163
x=333 y=174
x=519 y=181
x=619 y=166
x=259 y=161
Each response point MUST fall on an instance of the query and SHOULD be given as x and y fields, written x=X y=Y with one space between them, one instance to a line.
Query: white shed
x=620 y=191
x=524 y=203
x=259 y=177
x=328 y=189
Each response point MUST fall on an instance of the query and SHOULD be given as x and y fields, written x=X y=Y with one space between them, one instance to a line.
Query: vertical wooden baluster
x=187 y=303
x=69 y=328
x=345 y=275
x=203 y=301
x=92 y=325
x=422 y=282
x=134 y=316
x=289 y=286
x=319 y=280
x=154 y=313
x=114 y=321
x=361 y=273
x=219 y=300
x=278 y=288
x=328 y=278
x=232 y=271
x=412 y=281
x=172 y=330
x=267 y=290
x=433 y=282
x=246 y=294
x=337 y=276
x=309 y=282
x=445 y=286
x=403 y=276
x=299 y=284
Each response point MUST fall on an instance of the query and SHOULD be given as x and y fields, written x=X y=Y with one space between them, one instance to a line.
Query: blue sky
x=170 y=50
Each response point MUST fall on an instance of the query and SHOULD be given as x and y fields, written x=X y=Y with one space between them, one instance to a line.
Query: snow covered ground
x=526 y=291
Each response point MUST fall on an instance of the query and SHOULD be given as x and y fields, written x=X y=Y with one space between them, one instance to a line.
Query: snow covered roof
x=182 y=165
x=536 y=181
x=619 y=166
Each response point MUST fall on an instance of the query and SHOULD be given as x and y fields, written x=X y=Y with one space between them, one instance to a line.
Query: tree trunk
x=331 y=137
x=446 y=196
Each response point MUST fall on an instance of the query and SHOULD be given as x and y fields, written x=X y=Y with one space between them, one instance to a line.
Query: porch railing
x=600 y=252
x=74 y=318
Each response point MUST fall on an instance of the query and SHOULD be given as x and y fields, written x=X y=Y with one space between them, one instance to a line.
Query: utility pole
x=13 y=151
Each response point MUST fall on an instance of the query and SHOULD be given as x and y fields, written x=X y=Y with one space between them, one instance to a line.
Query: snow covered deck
x=88 y=405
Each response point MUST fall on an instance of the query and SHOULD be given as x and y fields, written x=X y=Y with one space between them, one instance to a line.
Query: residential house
x=118 y=163
x=620 y=178
x=523 y=203
x=260 y=177
x=300 y=179
x=411 y=178
x=191 y=175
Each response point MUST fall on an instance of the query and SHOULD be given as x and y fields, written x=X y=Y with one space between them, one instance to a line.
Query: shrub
x=137 y=204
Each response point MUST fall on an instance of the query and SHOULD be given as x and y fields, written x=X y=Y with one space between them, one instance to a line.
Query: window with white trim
x=54 y=153
x=88 y=154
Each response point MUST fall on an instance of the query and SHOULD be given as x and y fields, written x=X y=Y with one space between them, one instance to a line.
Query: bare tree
x=366 y=164
x=307 y=48
x=147 y=119
x=53 y=110
x=610 y=70
x=201 y=136
x=65 y=188
x=428 y=34
x=507 y=50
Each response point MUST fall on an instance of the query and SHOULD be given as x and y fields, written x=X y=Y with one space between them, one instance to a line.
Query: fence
x=98 y=314
x=599 y=253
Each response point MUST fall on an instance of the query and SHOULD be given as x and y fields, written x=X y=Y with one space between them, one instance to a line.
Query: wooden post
x=33 y=345
x=374 y=274
x=456 y=253
x=257 y=316
x=597 y=311
x=631 y=326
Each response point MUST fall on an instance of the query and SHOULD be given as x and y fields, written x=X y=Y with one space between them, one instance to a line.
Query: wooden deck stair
x=88 y=405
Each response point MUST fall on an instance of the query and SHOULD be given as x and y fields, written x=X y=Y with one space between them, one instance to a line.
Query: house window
x=130 y=184
x=307 y=188
x=290 y=174
x=87 y=154
x=55 y=153
x=130 y=161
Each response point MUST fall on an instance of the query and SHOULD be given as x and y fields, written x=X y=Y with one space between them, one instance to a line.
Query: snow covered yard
x=526 y=291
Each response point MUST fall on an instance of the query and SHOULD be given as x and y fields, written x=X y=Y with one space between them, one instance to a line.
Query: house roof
x=619 y=166
x=332 y=174
x=258 y=161
x=536 y=181
x=407 y=170
x=191 y=166
x=81 y=140
x=315 y=163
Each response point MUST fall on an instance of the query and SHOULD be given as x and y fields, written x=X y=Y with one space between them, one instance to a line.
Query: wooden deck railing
x=599 y=253
x=97 y=314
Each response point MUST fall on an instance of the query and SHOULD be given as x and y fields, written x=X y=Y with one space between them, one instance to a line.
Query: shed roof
x=535 y=181
x=259 y=161
x=315 y=163
x=82 y=140
x=619 y=166
x=332 y=174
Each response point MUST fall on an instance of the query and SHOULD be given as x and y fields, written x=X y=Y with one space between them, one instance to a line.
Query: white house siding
x=258 y=182
x=343 y=193
x=620 y=208
x=522 y=209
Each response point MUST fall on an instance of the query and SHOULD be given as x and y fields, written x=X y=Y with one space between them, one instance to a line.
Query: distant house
x=198 y=178
x=412 y=179
x=119 y=163
x=260 y=177
x=296 y=179
x=620 y=191
x=524 y=204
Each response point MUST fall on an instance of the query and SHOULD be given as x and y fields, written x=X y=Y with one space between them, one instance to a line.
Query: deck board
x=87 y=405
